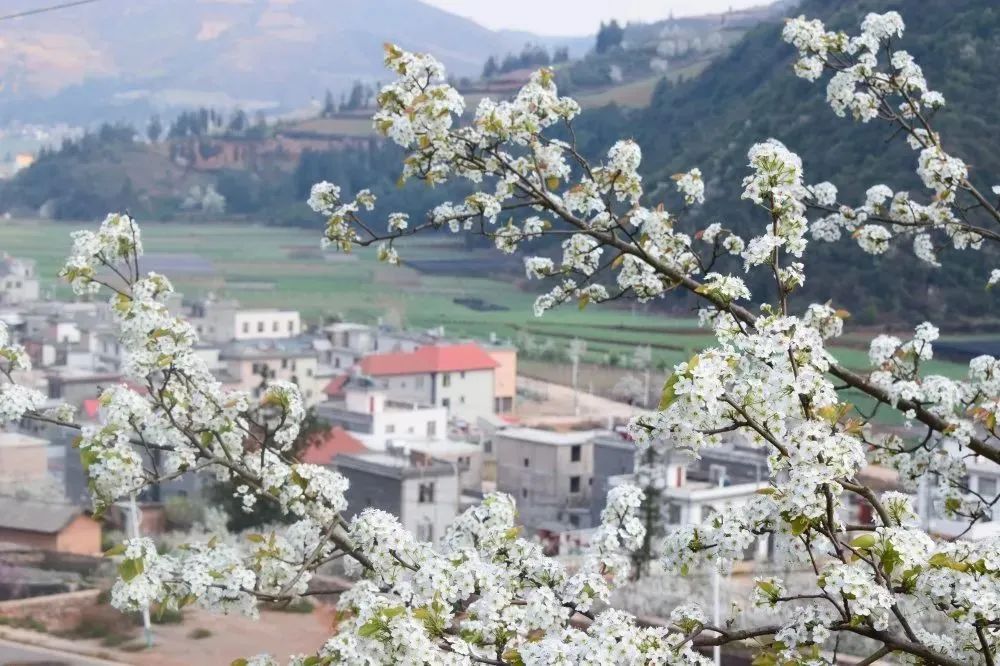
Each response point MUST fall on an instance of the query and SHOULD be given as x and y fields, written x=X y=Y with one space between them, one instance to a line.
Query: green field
x=284 y=267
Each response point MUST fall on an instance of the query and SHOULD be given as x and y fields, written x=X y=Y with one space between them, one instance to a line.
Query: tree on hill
x=609 y=37
x=154 y=129
x=491 y=68
x=329 y=106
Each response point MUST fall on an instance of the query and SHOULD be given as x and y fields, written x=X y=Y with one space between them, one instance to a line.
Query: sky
x=578 y=17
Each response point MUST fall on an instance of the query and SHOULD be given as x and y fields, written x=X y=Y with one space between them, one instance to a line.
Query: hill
x=751 y=93
x=123 y=59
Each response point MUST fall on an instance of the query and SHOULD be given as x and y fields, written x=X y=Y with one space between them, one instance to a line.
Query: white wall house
x=222 y=321
x=457 y=377
x=369 y=411
x=18 y=282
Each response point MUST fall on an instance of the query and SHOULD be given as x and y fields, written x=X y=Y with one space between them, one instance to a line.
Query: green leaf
x=115 y=550
x=864 y=541
x=370 y=628
x=129 y=569
x=668 y=396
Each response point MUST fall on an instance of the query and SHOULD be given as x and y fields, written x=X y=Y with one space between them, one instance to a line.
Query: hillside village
x=421 y=424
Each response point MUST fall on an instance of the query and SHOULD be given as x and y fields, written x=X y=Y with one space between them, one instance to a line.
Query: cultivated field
x=281 y=267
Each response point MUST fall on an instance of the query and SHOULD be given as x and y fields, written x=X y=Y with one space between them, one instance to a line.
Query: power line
x=42 y=10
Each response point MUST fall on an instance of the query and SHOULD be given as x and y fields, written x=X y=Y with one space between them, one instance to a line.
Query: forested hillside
x=711 y=121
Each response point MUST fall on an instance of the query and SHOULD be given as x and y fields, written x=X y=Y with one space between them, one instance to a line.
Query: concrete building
x=225 y=320
x=63 y=528
x=368 y=410
x=457 y=377
x=18 y=281
x=467 y=459
x=23 y=458
x=549 y=473
x=281 y=359
x=421 y=491
x=504 y=377
x=614 y=455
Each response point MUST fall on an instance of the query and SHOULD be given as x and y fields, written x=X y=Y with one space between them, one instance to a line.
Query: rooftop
x=325 y=447
x=298 y=347
x=429 y=358
x=33 y=516
x=550 y=436
x=395 y=464
x=15 y=439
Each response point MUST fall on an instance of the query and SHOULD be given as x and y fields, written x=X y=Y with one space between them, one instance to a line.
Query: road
x=12 y=654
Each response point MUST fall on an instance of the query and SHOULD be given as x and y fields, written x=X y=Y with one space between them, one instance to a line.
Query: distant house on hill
x=62 y=528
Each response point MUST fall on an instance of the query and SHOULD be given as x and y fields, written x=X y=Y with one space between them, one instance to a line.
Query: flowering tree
x=485 y=595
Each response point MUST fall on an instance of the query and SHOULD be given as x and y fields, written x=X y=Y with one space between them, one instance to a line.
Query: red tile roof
x=324 y=448
x=430 y=358
x=336 y=385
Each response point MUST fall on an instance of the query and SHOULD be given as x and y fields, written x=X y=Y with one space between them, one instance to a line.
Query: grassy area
x=281 y=267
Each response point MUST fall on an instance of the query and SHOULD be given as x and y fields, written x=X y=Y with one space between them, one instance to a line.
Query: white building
x=18 y=282
x=222 y=321
x=368 y=410
x=458 y=377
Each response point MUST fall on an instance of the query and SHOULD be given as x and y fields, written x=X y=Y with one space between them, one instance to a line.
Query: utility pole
x=133 y=519
x=577 y=347
x=642 y=359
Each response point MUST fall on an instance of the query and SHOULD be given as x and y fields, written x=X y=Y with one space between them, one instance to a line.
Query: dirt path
x=556 y=407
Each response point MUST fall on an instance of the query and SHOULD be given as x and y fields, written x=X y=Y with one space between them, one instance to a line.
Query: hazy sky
x=578 y=17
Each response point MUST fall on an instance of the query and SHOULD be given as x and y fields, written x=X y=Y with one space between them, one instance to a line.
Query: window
x=445 y=402
x=425 y=493
x=446 y=379
x=488 y=446
x=246 y=327
x=463 y=374
x=432 y=427
x=291 y=326
x=260 y=327
x=284 y=363
x=336 y=362
x=390 y=428
x=461 y=399
x=293 y=365
x=524 y=493
x=575 y=453
x=574 y=520
x=526 y=462
x=988 y=487
x=574 y=484
x=274 y=326
x=309 y=372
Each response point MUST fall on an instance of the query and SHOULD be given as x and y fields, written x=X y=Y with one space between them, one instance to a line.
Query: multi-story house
x=252 y=363
x=550 y=474
x=18 y=281
x=222 y=321
x=423 y=492
x=458 y=377
x=367 y=410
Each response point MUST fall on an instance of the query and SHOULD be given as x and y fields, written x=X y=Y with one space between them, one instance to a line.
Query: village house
x=459 y=377
x=18 y=281
x=62 y=528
